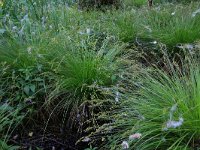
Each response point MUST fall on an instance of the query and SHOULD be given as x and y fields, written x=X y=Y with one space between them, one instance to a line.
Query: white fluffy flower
x=174 y=124
x=135 y=136
x=86 y=139
x=125 y=145
x=154 y=42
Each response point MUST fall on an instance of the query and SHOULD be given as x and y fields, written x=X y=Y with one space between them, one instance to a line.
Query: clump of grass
x=92 y=65
x=80 y=64
x=164 y=111
x=125 y=26
x=15 y=53
x=80 y=49
x=169 y=110
x=169 y=26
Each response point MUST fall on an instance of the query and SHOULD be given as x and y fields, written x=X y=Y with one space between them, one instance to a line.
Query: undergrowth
x=162 y=114
x=80 y=69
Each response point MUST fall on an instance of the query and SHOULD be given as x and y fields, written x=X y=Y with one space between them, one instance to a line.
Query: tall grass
x=11 y=114
x=169 y=26
x=63 y=56
x=164 y=113
x=170 y=109
x=62 y=69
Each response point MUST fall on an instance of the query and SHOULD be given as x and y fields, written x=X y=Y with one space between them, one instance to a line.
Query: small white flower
x=88 y=31
x=174 y=124
x=117 y=96
x=189 y=46
x=53 y=148
x=50 y=26
x=154 y=42
x=135 y=136
x=124 y=114
x=29 y=50
x=195 y=12
x=14 y=28
x=86 y=139
x=173 y=13
x=180 y=46
x=125 y=145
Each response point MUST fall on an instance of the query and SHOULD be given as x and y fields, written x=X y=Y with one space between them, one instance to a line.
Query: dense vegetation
x=104 y=74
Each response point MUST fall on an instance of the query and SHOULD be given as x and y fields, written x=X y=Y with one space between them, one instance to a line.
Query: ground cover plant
x=93 y=74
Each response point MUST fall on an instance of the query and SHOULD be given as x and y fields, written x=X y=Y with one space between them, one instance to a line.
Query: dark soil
x=37 y=134
x=52 y=138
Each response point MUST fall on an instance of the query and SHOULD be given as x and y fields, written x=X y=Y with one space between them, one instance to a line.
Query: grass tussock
x=162 y=113
x=100 y=73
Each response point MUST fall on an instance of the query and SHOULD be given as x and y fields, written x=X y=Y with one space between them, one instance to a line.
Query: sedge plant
x=169 y=26
x=162 y=114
